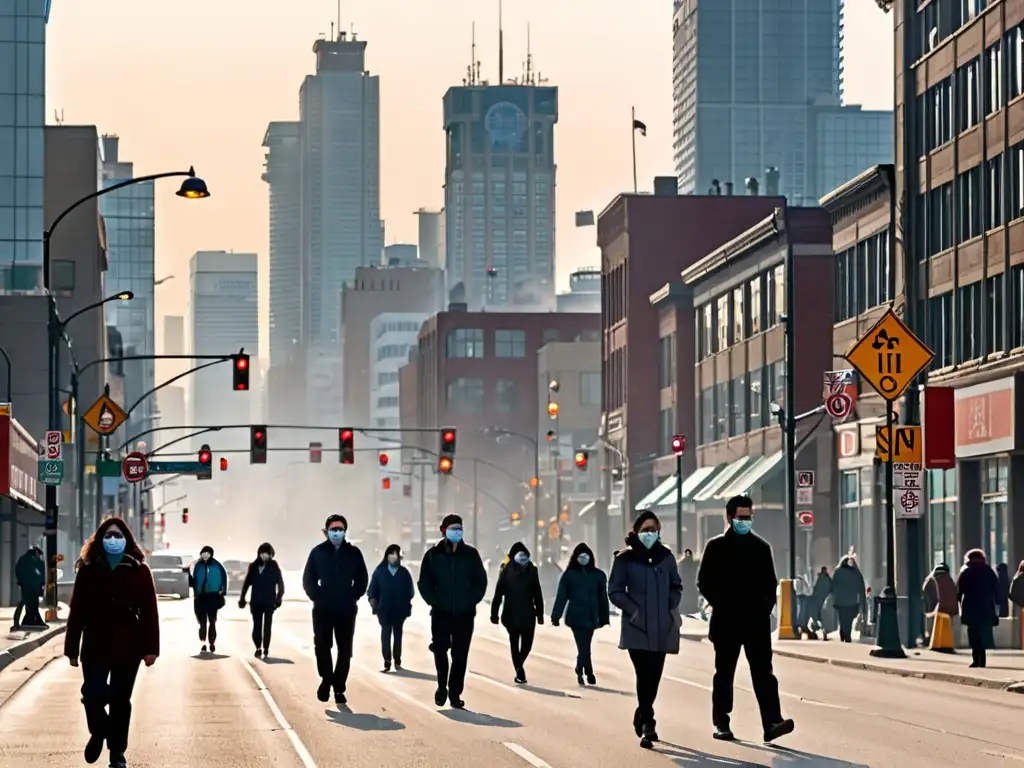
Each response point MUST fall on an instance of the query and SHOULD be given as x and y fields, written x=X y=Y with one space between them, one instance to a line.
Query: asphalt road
x=231 y=710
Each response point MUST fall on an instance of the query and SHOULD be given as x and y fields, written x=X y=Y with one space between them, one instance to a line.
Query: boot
x=579 y=676
x=648 y=736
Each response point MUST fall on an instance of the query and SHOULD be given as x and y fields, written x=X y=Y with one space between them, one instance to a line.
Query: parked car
x=170 y=574
x=236 y=570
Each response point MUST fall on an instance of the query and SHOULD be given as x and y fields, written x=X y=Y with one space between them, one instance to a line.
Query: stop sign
x=135 y=467
x=805 y=519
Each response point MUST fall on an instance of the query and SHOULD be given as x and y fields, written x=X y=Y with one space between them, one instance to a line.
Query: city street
x=231 y=710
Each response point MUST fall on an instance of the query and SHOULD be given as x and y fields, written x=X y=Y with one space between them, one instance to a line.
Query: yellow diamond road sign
x=105 y=416
x=890 y=356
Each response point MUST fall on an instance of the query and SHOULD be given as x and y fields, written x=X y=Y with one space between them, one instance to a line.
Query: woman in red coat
x=112 y=628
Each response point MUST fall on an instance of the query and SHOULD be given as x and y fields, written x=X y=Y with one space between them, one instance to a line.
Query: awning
x=752 y=476
x=651 y=499
x=613 y=510
x=730 y=471
x=690 y=485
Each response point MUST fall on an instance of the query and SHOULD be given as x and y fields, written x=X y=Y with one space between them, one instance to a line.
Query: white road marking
x=526 y=754
x=1003 y=755
x=690 y=683
x=496 y=683
x=297 y=745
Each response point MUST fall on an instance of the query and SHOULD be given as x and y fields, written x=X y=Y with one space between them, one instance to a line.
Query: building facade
x=500 y=194
x=401 y=255
x=431 y=239
x=392 y=336
x=584 y=294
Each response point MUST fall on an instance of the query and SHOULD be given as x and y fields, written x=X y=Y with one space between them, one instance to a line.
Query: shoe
x=203 y=649
x=93 y=749
x=457 y=703
x=118 y=761
x=722 y=733
x=339 y=699
x=778 y=730
x=323 y=693
x=591 y=680
x=213 y=648
x=650 y=732
x=648 y=737
x=440 y=696
x=266 y=653
x=398 y=664
x=520 y=676
x=387 y=666
x=579 y=678
x=259 y=654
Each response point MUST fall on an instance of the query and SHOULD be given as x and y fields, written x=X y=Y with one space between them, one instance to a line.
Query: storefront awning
x=727 y=473
x=691 y=485
x=613 y=510
x=665 y=487
x=751 y=477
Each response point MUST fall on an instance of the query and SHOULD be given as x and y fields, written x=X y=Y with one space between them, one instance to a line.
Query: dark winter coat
x=391 y=594
x=940 y=592
x=1017 y=590
x=267 y=587
x=644 y=584
x=335 y=578
x=113 y=616
x=1003 y=591
x=848 y=586
x=452 y=579
x=30 y=573
x=517 y=593
x=977 y=586
x=585 y=589
x=737 y=577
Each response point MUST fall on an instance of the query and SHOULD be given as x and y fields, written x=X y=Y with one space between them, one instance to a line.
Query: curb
x=945 y=677
x=10 y=655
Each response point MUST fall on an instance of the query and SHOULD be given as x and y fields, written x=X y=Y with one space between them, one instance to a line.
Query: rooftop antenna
x=471 y=71
x=501 y=47
x=339 y=18
x=528 y=78
x=332 y=32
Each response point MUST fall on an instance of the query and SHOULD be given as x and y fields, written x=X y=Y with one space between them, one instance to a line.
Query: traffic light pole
x=679 y=504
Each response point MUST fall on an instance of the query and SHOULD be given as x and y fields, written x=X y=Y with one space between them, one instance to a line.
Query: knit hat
x=336 y=519
x=642 y=518
x=450 y=520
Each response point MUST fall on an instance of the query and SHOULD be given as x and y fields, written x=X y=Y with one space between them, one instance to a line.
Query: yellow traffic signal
x=515 y=517
x=541 y=523
x=534 y=482
x=553 y=409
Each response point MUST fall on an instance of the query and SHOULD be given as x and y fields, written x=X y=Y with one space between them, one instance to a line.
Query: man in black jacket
x=334 y=579
x=452 y=582
x=737 y=577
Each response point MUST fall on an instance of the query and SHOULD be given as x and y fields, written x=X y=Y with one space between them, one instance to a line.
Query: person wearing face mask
x=112 y=629
x=737 y=577
x=209 y=582
x=452 y=582
x=30 y=573
x=334 y=579
x=267 y=583
x=644 y=584
x=584 y=587
x=390 y=594
x=518 y=597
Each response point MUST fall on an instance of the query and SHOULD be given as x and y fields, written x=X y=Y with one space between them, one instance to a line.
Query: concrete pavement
x=232 y=710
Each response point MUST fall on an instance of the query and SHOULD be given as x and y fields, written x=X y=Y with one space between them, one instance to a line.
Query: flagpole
x=632 y=133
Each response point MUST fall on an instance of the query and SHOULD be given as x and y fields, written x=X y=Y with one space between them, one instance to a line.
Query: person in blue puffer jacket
x=209 y=582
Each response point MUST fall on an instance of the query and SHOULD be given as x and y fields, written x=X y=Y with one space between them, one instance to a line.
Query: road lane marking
x=526 y=754
x=690 y=683
x=1003 y=755
x=497 y=683
x=297 y=745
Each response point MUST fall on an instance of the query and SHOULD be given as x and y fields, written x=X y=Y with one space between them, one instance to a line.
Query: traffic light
x=184 y=515
x=145 y=522
x=581 y=460
x=679 y=445
x=206 y=463
x=346 y=446
x=240 y=372
x=444 y=466
x=316 y=453
x=550 y=435
x=258 y=444
x=447 y=451
x=553 y=410
x=516 y=517
x=383 y=459
x=163 y=520
x=223 y=465
x=386 y=484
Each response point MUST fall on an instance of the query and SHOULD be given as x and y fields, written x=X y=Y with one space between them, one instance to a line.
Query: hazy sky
x=195 y=82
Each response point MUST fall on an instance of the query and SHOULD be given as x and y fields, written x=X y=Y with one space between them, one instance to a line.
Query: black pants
x=520 y=642
x=30 y=603
x=648 y=667
x=107 y=696
x=584 y=639
x=262 y=623
x=206 y=607
x=756 y=644
x=331 y=628
x=976 y=639
x=448 y=631
x=846 y=614
x=391 y=640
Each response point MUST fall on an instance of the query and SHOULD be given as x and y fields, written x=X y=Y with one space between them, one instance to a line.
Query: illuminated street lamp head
x=126 y=295
x=540 y=523
x=553 y=409
x=554 y=386
x=193 y=188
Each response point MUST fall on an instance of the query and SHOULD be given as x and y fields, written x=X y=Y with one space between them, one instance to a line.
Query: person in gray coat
x=644 y=584
x=848 y=596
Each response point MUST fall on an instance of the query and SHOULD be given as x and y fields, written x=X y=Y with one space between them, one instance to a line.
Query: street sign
x=805 y=495
x=135 y=467
x=554 y=531
x=906 y=448
x=805 y=520
x=840 y=393
x=839 y=405
x=176 y=468
x=105 y=416
x=908 y=476
x=51 y=472
x=890 y=356
x=908 y=504
x=805 y=479
x=54 y=441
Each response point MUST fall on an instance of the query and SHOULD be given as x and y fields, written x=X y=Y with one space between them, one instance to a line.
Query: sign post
x=804 y=488
x=889 y=357
x=51 y=466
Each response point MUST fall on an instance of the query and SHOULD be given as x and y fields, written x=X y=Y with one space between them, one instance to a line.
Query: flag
x=640 y=126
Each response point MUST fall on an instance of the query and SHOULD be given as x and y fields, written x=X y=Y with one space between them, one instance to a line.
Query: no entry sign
x=135 y=467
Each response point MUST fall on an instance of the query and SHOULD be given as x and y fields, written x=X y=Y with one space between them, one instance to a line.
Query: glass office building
x=848 y=142
x=22 y=117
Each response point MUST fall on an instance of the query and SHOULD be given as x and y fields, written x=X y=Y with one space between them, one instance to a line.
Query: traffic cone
x=942 y=634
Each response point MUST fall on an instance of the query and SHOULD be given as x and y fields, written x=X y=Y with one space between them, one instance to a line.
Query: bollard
x=942 y=634
x=786 y=607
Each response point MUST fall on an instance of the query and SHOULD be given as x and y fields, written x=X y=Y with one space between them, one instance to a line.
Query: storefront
x=21 y=515
x=861 y=520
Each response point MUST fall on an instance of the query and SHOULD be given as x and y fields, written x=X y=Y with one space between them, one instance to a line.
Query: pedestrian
x=1017 y=587
x=112 y=628
x=977 y=588
x=847 y=596
x=518 y=596
x=939 y=592
x=209 y=582
x=814 y=606
x=688 y=575
x=452 y=582
x=391 y=592
x=334 y=579
x=267 y=582
x=1003 y=592
x=737 y=576
x=584 y=587
x=644 y=584
x=30 y=573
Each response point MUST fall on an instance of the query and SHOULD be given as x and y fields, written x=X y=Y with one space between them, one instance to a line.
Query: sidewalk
x=14 y=645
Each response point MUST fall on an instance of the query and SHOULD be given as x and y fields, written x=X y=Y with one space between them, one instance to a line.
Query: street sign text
x=905 y=449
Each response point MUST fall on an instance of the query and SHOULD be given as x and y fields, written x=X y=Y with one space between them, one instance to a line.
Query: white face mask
x=393 y=559
x=264 y=556
x=205 y=556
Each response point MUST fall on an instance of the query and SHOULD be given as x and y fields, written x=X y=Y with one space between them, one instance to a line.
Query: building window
x=777 y=384
x=994 y=314
x=942 y=515
x=1016 y=307
x=878 y=265
x=994 y=192
x=465 y=396
x=388 y=377
x=666 y=430
x=776 y=294
x=940 y=329
x=968 y=92
x=1015 y=60
x=465 y=342
x=969 y=196
x=722 y=323
x=721 y=410
x=505 y=396
x=387 y=402
x=62 y=277
x=667 y=361
x=755 y=399
x=940 y=113
x=707 y=417
x=738 y=322
x=849 y=511
x=510 y=343
x=940 y=219
x=969 y=323
x=995 y=474
x=994 y=86
x=590 y=388
x=738 y=404
x=755 y=309
x=706 y=337
x=846 y=285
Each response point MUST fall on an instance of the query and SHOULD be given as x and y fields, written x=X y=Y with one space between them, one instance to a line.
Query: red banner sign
x=985 y=419
x=939 y=428
x=19 y=460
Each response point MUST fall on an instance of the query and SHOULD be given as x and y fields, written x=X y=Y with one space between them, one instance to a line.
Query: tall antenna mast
x=529 y=57
x=501 y=47
x=339 y=19
x=472 y=57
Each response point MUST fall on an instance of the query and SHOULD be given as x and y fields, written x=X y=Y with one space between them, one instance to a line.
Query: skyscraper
x=500 y=192
x=430 y=243
x=22 y=117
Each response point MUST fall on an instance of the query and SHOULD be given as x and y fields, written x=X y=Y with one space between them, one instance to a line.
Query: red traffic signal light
x=240 y=372
x=581 y=459
x=447 y=442
x=223 y=465
x=445 y=465
x=145 y=521
x=258 y=444
x=383 y=459
x=163 y=520
x=386 y=484
x=184 y=515
x=346 y=446
x=679 y=445
x=204 y=456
